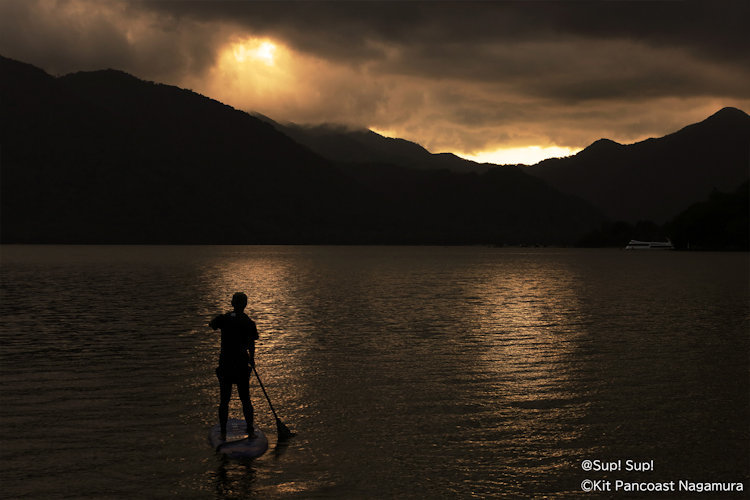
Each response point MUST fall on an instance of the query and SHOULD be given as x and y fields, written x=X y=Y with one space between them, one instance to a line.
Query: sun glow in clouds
x=263 y=75
x=529 y=155
x=250 y=71
x=254 y=49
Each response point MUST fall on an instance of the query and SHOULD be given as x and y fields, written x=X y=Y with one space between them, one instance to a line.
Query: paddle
x=282 y=430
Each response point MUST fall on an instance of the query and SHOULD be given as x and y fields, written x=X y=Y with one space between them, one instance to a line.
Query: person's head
x=239 y=301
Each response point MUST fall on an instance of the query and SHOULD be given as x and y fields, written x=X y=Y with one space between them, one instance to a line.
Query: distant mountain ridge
x=104 y=157
x=652 y=180
x=657 y=178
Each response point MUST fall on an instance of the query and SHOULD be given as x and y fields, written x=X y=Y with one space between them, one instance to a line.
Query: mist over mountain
x=658 y=178
x=343 y=144
x=103 y=157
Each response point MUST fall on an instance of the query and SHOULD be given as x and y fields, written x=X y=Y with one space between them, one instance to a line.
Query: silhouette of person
x=238 y=336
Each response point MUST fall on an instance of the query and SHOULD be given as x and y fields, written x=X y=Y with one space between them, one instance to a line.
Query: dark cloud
x=716 y=30
x=452 y=75
x=70 y=35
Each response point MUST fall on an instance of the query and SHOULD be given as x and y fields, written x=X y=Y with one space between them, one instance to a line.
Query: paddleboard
x=237 y=444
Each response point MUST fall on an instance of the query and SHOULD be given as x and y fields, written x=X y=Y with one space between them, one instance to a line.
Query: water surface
x=407 y=372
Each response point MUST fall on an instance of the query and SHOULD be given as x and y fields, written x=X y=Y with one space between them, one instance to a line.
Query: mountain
x=657 y=178
x=651 y=180
x=343 y=144
x=103 y=157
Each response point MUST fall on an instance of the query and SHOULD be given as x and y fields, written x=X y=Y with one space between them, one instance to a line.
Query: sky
x=501 y=82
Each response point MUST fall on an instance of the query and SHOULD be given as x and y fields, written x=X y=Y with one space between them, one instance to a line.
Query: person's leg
x=243 y=388
x=225 y=394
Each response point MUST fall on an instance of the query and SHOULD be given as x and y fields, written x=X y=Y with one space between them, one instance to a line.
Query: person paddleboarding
x=238 y=336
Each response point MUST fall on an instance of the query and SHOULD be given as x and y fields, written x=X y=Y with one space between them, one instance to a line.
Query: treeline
x=722 y=222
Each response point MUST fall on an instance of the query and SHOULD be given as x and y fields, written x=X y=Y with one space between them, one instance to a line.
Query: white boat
x=650 y=245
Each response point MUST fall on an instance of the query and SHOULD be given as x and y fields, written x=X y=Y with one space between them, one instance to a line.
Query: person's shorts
x=233 y=374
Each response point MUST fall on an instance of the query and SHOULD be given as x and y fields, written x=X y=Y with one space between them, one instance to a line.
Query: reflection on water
x=409 y=372
x=234 y=478
x=529 y=320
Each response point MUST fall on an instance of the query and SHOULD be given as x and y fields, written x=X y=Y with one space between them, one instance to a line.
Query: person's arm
x=251 y=352
x=216 y=322
x=251 y=344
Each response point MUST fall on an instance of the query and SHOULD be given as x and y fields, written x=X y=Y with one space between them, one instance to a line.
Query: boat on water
x=650 y=245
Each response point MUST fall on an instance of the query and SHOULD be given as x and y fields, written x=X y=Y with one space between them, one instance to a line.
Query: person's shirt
x=238 y=335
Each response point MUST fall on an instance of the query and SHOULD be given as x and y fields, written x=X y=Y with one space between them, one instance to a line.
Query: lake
x=407 y=372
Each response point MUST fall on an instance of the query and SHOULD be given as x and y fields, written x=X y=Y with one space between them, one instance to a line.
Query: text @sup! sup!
x=617 y=465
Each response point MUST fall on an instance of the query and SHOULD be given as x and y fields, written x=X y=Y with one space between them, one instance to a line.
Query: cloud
x=353 y=31
x=71 y=35
x=454 y=76
x=292 y=86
